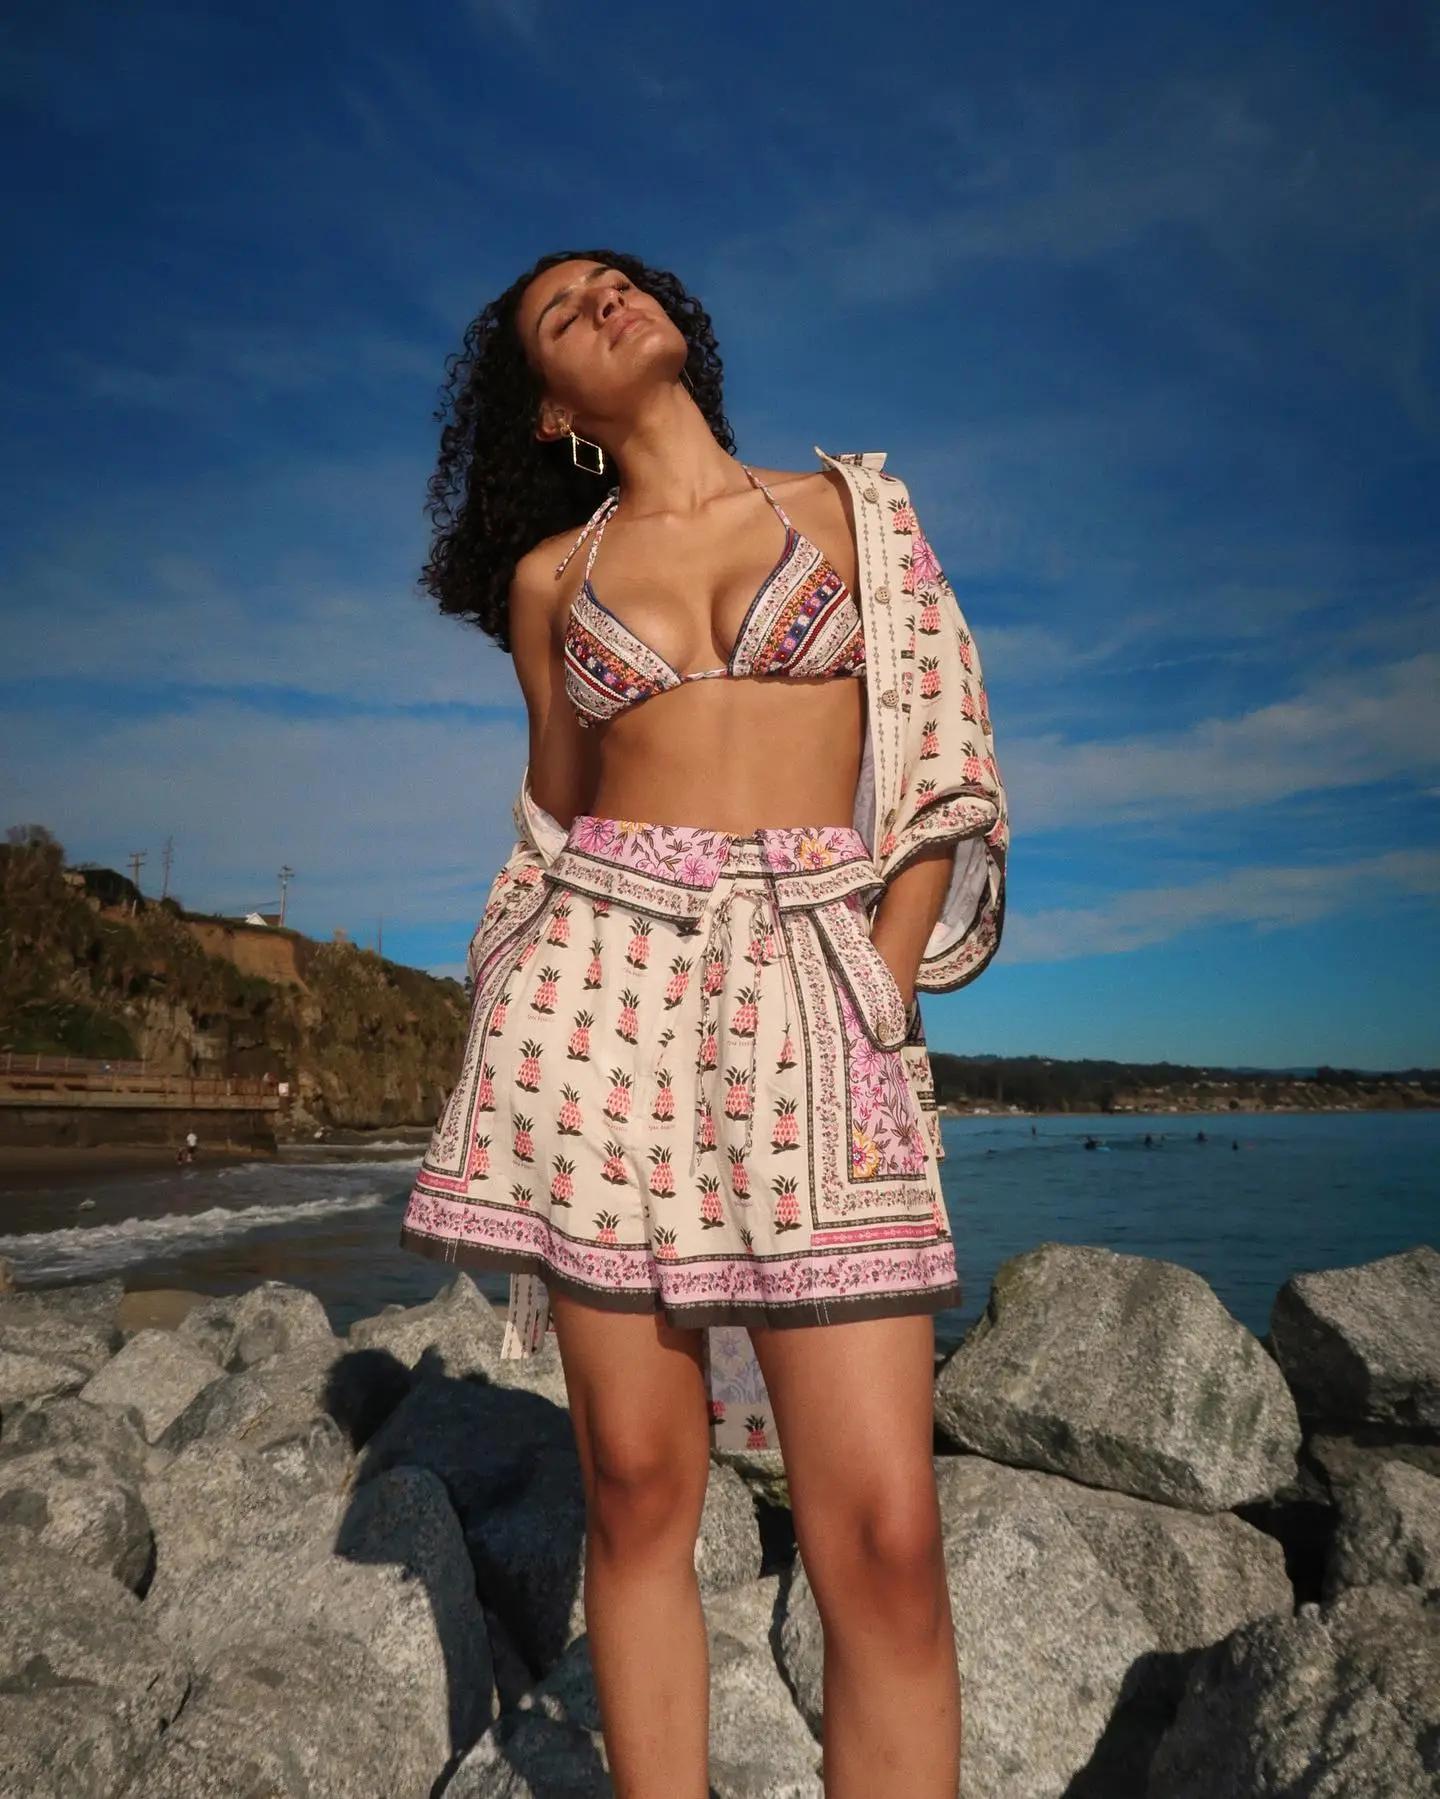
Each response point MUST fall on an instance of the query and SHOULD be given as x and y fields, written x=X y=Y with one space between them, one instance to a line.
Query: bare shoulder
x=819 y=497
x=534 y=584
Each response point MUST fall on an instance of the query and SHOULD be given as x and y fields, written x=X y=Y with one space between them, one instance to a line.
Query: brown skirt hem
x=697 y=1317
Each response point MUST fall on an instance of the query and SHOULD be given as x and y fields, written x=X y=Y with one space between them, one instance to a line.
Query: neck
x=665 y=460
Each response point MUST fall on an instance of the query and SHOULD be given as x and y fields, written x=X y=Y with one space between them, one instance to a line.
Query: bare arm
x=563 y=765
x=908 y=910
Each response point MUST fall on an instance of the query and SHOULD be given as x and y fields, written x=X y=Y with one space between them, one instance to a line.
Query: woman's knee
x=646 y=1486
x=881 y=1550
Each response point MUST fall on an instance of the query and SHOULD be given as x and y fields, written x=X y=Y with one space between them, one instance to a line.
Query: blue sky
x=1142 y=304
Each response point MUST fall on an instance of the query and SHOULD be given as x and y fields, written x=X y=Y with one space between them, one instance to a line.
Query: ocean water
x=1262 y=1198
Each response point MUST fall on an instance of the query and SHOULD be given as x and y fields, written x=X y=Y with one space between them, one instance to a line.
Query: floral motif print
x=659 y=1141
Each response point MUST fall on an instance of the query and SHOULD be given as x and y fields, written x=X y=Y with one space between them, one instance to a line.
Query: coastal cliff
x=90 y=968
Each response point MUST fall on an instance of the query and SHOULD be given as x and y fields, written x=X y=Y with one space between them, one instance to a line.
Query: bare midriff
x=736 y=754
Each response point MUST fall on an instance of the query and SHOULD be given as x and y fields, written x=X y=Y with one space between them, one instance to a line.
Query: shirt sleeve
x=951 y=789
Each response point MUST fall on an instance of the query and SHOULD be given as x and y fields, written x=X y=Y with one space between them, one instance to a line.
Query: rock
x=727 y=1548
x=529 y=1554
x=530 y=1756
x=1075 y=1611
x=74 y=1504
x=1341 y=1699
x=215 y=1499
x=458 y=1326
x=1343 y=1458
x=1123 y=1372
x=1388 y=1532
x=111 y=1431
x=762 y=1470
x=86 y=1685
x=44 y=1352
x=95 y=1304
x=158 y=1374
x=388 y=1569
x=242 y=1329
x=760 y=1746
x=303 y=1714
x=529 y=1549
x=316 y=1459
x=482 y=1440
x=542 y=1373
x=1361 y=1345
x=513 y=1676
x=759 y=1743
x=282 y=1397
x=25 y=1377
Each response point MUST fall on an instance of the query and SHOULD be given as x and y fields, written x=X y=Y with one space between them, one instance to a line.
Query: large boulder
x=51 y=1346
x=1361 y=1346
x=281 y=1398
x=92 y=1303
x=1341 y=1699
x=1388 y=1532
x=111 y=1431
x=1122 y=1372
x=458 y=1327
x=74 y=1503
x=241 y=1329
x=387 y=1567
x=216 y=1499
x=302 y=1713
x=87 y=1687
x=1075 y=1611
x=158 y=1374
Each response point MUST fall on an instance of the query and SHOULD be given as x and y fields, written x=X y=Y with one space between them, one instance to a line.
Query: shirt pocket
x=873 y=991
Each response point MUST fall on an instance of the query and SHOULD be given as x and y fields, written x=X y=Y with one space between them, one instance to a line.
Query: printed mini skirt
x=691 y=1085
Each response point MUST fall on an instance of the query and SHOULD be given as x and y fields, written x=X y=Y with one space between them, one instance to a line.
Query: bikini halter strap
x=606 y=505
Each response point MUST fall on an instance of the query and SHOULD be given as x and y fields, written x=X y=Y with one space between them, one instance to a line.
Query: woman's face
x=593 y=337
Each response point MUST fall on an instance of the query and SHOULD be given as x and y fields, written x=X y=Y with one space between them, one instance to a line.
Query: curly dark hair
x=496 y=490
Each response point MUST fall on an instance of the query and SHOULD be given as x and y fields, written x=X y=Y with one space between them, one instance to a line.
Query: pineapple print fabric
x=690 y=1085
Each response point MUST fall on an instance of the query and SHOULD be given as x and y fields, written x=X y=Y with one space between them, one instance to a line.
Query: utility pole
x=287 y=874
x=169 y=858
x=136 y=858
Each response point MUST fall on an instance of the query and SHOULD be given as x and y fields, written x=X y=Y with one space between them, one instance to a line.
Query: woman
x=685 y=1111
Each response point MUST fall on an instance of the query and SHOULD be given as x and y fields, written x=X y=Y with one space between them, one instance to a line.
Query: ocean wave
x=100 y=1248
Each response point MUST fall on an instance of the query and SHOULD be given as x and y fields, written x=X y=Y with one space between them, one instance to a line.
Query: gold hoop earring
x=685 y=377
x=575 y=443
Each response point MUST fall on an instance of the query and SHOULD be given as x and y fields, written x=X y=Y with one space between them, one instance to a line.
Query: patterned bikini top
x=803 y=621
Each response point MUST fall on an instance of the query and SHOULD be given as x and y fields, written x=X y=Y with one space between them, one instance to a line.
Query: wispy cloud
x=1269 y=898
x=1343 y=731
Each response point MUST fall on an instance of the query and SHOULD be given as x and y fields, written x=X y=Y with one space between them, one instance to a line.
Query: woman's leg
x=638 y=1402
x=853 y=1406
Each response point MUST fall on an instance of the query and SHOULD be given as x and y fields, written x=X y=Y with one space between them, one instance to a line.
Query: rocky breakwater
x=247 y=1556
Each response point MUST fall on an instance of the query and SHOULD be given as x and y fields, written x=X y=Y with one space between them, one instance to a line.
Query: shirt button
x=888 y=697
x=882 y=593
x=871 y=494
